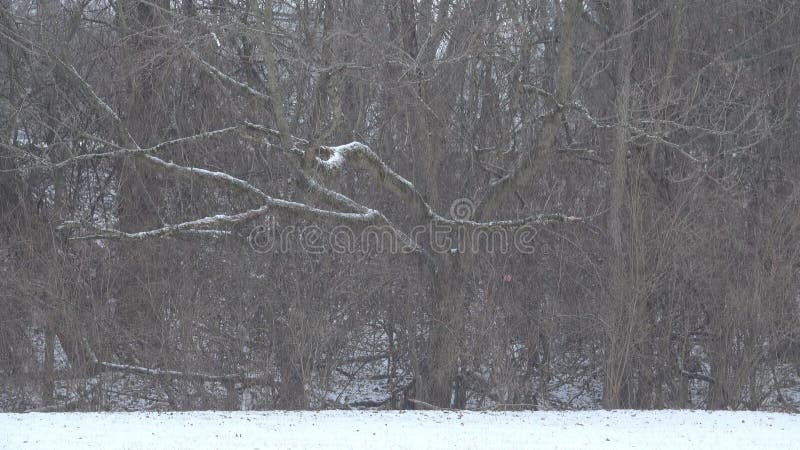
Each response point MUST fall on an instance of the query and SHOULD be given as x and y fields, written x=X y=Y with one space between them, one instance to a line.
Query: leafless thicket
x=150 y=150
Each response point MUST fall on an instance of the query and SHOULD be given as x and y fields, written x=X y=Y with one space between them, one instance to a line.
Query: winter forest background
x=175 y=178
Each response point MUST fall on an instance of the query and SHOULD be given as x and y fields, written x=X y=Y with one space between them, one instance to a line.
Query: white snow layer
x=402 y=429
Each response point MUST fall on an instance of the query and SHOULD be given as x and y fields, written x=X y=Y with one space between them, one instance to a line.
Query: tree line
x=151 y=153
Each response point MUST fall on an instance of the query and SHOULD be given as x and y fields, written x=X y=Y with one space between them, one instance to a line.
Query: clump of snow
x=402 y=429
x=339 y=153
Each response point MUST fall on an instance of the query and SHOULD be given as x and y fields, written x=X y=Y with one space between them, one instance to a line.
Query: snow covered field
x=401 y=429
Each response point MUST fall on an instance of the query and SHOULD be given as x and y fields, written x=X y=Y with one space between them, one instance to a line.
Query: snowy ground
x=398 y=429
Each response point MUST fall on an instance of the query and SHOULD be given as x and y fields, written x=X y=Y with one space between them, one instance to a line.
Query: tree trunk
x=439 y=383
x=620 y=325
x=48 y=378
x=292 y=391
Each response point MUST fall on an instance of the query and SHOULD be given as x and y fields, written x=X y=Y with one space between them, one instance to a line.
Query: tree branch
x=222 y=76
x=220 y=177
x=195 y=376
x=202 y=225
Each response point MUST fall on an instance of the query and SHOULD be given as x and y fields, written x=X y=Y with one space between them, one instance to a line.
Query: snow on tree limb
x=123 y=151
x=535 y=219
x=205 y=223
x=334 y=198
x=361 y=155
x=103 y=105
x=220 y=177
x=356 y=153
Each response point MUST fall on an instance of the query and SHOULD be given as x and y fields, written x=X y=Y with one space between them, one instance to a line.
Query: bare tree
x=173 y=176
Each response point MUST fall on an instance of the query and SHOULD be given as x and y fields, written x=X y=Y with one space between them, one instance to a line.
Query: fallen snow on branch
x=339 y=153
x=402 y=429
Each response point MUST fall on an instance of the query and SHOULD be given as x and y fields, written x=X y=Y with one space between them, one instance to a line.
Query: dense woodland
x=154 y=153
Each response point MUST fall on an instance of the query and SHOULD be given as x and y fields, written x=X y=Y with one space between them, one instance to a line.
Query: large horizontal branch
x=193 y=376
x=536 y=219
x=334 y=198
x=339 y=200
x=363 y=215
x=219 y=220
x=123 y=151
x=101 y=366
x=361 y=155
x=220 y=177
